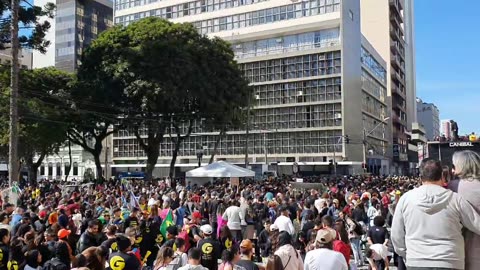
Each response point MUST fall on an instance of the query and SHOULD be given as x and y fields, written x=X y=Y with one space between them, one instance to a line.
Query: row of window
x=299 y=92
x=373 y=106
x=282 y=13
x=293 y=67
x=291 y=43
x=194 y=7
x=325 y=115
x=47 y=169
x=369 y=61
x=372 y=86
x=234 y=144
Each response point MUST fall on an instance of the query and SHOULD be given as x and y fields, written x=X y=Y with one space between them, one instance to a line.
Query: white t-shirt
x=284 y=224
x=381 y=252
x=324 y=259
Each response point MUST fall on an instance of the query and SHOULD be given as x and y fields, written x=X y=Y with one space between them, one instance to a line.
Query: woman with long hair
x=164 y=258
x=226 y=238
x=343 y=244
x=229 y=258
x=33 y=258
x=291 y=258
x=467 y=169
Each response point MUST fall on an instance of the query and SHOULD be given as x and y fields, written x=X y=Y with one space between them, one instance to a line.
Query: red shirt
x=343 y=248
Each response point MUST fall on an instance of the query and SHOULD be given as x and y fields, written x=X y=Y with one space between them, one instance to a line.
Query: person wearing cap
x=283 y=222
x=246 y=254
x=209 y=247
x=323 y=257
x=25 y=220
x=123 y=259
x=63 y=235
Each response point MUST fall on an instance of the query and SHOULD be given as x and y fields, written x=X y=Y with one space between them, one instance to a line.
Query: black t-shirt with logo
x=131 y=222
x=211 y=251
x=123 y=261
x=3 y=256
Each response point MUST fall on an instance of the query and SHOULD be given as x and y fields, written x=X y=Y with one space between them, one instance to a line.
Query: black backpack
x=358 y=228
x=55 y=264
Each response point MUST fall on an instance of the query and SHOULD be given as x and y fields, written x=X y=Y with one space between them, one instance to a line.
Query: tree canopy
x=164 y=77
x=42 y=126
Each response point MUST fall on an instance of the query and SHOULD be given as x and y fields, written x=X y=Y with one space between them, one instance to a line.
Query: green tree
x=29 y=18
x=172 y=78
x=42 y=129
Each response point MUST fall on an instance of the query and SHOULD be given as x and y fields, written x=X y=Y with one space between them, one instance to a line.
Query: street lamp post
x=199 y=157
x=335 y=155
x=364 y=141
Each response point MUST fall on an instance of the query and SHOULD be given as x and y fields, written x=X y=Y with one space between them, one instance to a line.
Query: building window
x=59 y=169
x=75 y=169
x=42 y=170
x=67 y=168
x=50 y=169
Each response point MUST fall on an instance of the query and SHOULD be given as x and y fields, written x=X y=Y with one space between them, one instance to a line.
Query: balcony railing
x=302 y=47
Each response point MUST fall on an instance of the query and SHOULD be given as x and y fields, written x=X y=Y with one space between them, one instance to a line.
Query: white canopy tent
x=219 y=169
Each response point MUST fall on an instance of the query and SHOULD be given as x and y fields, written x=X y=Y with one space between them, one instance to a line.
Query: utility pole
x=13 y=173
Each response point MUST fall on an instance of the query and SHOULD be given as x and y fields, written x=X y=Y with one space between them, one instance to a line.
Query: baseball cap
x=274 y=227
x=324 y=236
x=206 y=229
x=246 y=244
x=63 y=233
x=196 y=215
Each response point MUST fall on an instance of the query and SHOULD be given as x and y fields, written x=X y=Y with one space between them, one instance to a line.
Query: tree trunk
x=152 y=157
x=217 y=142
x=67 y=171
x=151 y=148
x=98 y=165
x=178 y=142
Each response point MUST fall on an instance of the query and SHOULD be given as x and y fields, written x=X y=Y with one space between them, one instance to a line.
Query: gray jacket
x=469 y=189
x=427 y=227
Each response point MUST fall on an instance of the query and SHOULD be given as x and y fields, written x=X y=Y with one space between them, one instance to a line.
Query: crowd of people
x=431 y=222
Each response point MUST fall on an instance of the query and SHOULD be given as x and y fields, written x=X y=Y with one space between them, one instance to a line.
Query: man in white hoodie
x=428 y=221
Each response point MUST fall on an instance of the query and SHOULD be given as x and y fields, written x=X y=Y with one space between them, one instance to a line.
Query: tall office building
x=76 y=24
x=429 y=117
x=316 y=79
x=446 y=129
x=389 y=26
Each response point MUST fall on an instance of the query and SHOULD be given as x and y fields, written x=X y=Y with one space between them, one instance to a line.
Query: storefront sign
x=461 y=144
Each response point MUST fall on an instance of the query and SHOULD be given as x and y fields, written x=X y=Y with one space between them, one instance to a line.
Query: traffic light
x=347 y=139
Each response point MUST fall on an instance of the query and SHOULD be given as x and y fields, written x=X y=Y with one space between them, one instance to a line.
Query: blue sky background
x=448 y=59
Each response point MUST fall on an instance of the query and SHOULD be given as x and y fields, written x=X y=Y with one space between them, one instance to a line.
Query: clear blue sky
x=448 y=59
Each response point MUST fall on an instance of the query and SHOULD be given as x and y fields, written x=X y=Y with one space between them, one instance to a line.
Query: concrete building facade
x=25 y=58
x=76 y=24
x=389 y=26
x=316 y=80
x=446 y=129
x=428 y=116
